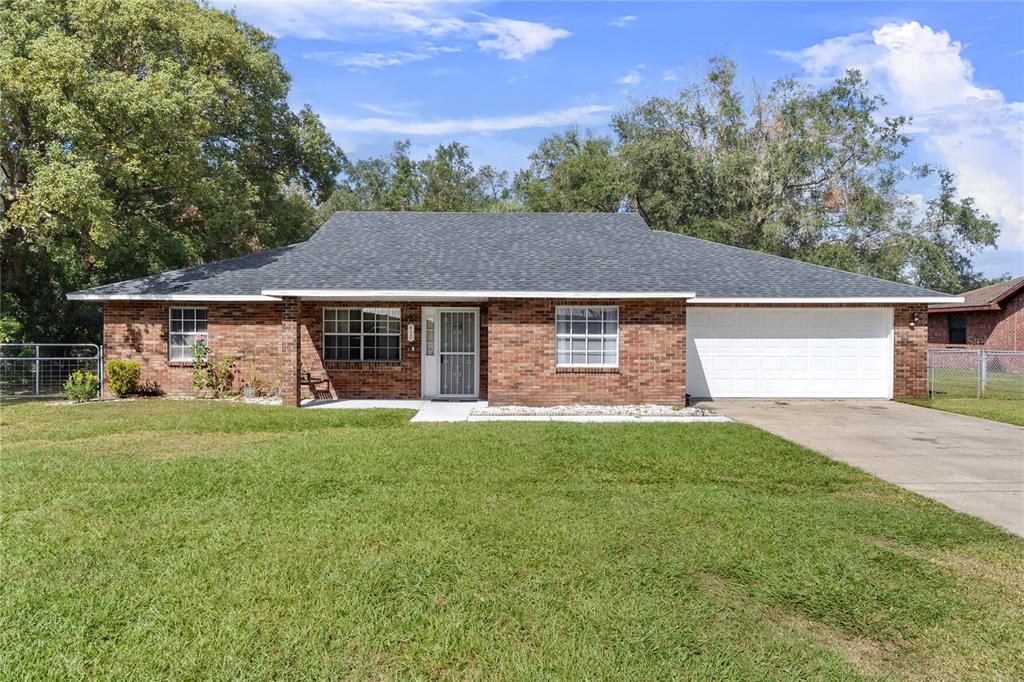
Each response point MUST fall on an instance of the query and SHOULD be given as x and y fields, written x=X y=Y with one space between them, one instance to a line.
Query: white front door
x=451 y=353
x=789 y=352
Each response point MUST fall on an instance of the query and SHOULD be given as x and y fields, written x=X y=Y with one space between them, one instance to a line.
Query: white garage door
x=789 y=352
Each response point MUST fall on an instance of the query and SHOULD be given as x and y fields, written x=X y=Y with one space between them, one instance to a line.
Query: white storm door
x=458 y=352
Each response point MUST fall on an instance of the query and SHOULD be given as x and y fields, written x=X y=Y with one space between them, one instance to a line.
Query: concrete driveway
x=972 y=465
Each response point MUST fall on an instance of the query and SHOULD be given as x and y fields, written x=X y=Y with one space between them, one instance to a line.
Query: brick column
x=291 y=351
x=910 y=364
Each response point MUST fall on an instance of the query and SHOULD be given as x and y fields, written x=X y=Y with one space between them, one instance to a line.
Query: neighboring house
x=524 y=308
x=991 y=317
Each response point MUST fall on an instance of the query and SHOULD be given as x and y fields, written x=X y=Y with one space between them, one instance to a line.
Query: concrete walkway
x=969 y=464
x=462 y=411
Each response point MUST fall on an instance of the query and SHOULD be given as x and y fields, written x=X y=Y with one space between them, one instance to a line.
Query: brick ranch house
x=523 y=308
x=990 y=318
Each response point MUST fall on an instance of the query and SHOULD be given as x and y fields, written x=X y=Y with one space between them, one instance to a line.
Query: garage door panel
x=765 y=352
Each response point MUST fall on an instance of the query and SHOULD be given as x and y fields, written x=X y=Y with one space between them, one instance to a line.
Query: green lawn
x=164 y=539
x=951 y=382
x=1009 y=411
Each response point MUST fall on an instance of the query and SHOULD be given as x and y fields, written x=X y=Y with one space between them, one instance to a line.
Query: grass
x=955 y=390
x=952 y=382
x=1000 y=410
x=162 y=539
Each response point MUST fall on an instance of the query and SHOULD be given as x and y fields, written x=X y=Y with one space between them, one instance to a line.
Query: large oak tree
x=138 y=136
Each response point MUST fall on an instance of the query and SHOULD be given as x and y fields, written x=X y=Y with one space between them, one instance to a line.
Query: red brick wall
x=291 y=357
x=399 y=380
x=137 y=330
x=910 y=368
x=517 y=351
x=521 y=356
x=992 y=330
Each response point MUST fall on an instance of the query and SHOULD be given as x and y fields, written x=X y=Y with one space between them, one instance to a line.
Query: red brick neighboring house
x=991 y=317
x=522 y=308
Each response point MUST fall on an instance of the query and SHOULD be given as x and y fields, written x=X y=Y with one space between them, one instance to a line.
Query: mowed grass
x=162 y=539
x=1008 y=411
x=951 y=382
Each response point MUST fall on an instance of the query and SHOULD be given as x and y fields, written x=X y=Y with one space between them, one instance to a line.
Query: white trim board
x=170 y=297
x=698 y=300
x=451 y=295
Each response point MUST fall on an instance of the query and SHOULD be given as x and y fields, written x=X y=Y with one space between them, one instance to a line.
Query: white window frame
x=170 y=332
x=570 y=335
x=362 y=335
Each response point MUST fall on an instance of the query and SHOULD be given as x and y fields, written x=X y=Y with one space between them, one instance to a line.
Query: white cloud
x=514 y=39
x=623 y=22
x=360 y=61
x=383 y=111
x=632 y=77
x=669 y=75
x=352 y=20
x=972 y=130
x=580 y=115
x=367 y=60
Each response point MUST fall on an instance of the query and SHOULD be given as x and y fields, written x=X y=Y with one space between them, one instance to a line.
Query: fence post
x=35 y=393
x=928 y=374
x=99 y=369
x=983 y=359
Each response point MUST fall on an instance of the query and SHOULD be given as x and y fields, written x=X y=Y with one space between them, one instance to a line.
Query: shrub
x=149 y=389
x=123 y=376
x=216 y=374
x=81 y=386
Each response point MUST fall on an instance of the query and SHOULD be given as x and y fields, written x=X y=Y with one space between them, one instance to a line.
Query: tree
x=806 y=173
x=445 y=180
x=573 y=172
x=141 y=136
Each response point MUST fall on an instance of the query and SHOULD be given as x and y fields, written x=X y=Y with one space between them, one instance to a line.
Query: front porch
x=383 y=350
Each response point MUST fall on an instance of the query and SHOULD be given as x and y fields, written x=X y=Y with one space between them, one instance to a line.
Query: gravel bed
x=594 y=410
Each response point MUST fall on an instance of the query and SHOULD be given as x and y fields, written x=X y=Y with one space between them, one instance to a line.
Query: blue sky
x=498 y=76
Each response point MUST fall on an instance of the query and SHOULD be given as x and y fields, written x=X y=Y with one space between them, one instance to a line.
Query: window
x=362 y=334
x=587 y=337
x=958 y=329
x=187 y=328
x=428 y=335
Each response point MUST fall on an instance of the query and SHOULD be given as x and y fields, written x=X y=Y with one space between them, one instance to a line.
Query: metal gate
x=458 y=353
x=39 y=370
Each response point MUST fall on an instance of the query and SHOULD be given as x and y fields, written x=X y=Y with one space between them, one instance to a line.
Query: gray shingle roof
x=509 y=252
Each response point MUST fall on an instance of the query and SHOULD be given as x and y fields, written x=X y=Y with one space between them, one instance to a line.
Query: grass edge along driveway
x=996 y=409
x=155 y=539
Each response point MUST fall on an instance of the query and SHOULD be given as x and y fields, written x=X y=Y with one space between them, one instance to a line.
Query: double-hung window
x=958 y=329
x=587 y=336
x=187 y=328
x=362 y=334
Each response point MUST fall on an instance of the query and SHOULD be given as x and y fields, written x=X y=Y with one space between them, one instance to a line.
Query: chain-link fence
x=39 y=370
x=965 y=373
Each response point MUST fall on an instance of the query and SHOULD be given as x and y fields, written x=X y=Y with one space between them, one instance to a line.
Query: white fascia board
x=448 y=295
x=889 y=300
x=171 y=297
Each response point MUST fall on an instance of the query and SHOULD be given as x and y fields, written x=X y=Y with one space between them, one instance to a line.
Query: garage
x=737 y=352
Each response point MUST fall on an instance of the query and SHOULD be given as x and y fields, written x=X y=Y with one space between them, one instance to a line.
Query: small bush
x=216 y=374
x=149 y=389
x=123 y=376
x=81 y=386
